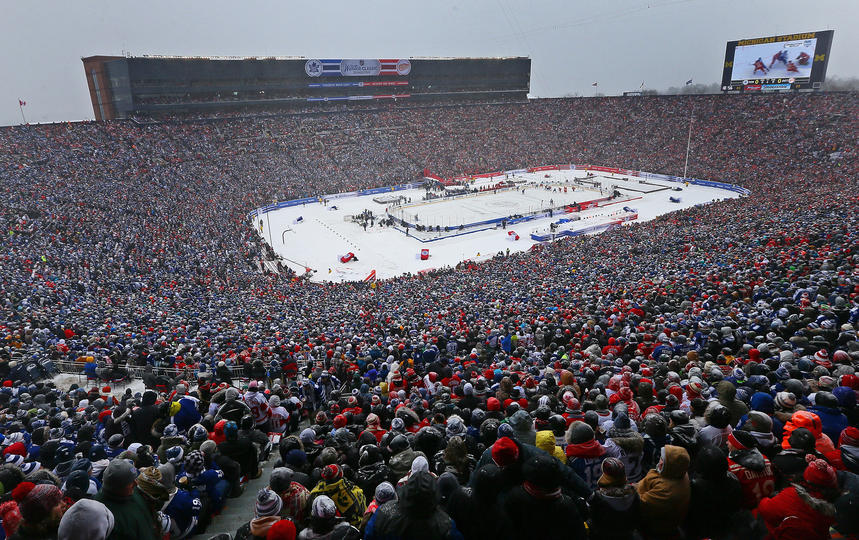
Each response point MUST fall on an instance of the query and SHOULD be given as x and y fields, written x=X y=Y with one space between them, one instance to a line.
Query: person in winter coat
x=41 y=510
x=292 y=494
x=752 y=469
x=349 y=498
x=383 y=493
x=803 y=510
x=134 y=521
x=728 y=398
x=415 y=515
x=545 y=440
x=832 y=420
x=615 y=505
x=715 y=497
x=631 y=446
x=665 y=493
x=142 y=419
x=584 y=453
x=86 y=520
x=325 y=524
x=266 y=513
x=535 y=507
x=241 y=450
x=822 y=443
x=477 y=514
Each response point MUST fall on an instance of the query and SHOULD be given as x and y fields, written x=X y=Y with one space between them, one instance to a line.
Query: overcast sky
x=572 y=43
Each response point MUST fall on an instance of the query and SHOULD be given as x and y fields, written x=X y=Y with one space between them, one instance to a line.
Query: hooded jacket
x=755 y=473
x=614 y=513
x=716 y=497
x=796 y=513
x=665 y=495
x=727 y=397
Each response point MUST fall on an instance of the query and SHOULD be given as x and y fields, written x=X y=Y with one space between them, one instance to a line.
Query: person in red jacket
x=752 y=469
x=803 y=511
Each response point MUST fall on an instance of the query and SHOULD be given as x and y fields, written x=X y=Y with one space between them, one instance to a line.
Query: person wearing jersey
x=259 y=407
x=279 y=418
x=752 y=469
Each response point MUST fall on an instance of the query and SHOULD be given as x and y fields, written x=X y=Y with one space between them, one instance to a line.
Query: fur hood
x=818 y=505
x=633 y=444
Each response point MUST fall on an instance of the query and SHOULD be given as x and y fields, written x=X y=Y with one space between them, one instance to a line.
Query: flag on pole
x=594 y=84
x=688 y=82
x=371 y=278
x=21 y=103
x=642 y=86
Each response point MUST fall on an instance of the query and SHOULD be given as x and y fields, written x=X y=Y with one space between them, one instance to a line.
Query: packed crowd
x=689 y=377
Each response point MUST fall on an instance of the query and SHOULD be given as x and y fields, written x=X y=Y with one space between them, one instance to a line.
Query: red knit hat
x=21 y=490
x=819 y=474
x=40 y=501
x=282 y=530
x=505 y=452
x=11 y=517
x=850 y=437
x=492 y=404
x=16 y=448
x=332 y=473
x=339 y=421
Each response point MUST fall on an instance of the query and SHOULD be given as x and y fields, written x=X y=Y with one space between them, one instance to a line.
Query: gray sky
x=618 y=43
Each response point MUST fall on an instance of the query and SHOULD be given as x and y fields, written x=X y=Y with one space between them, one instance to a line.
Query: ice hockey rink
x=315 y=235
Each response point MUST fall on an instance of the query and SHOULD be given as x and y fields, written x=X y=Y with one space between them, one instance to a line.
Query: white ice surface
x=323 y=236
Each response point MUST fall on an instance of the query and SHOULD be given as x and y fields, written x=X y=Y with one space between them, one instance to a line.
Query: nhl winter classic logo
x=313 y=68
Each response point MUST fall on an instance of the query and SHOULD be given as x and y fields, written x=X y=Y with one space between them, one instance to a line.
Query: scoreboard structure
x=777 y=63
x=121 y=87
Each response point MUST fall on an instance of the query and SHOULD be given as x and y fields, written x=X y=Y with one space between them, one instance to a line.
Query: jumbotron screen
x=788 y=62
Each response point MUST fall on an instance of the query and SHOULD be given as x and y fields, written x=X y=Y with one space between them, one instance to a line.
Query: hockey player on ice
x=791 y=68
x=780 y=56
x=803 y=58
x=759 y=65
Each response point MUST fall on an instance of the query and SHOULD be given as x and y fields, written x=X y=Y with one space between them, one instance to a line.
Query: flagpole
x=21 y=108
x=689 y=140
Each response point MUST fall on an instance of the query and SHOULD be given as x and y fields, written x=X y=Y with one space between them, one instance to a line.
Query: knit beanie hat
x=785 y=400
x=819 y=474
x=175 y=455
x=10 y=514
x=268 y=503
x=849 y=437
x=208 y=447
x=505 y=452
x=281 y=530
x=195 y=463
x=613 y=473
x=385 y=492
x=149 y=482
x=171 y=430
x=281 y=479
x=86 y=520
x=37 y=505
x=332 y=473
x=323 y=507
x=741 y=440
x=760 y=422
x=579 y=433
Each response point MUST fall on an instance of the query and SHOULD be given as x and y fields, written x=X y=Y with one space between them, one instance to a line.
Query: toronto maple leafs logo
x=313 y=68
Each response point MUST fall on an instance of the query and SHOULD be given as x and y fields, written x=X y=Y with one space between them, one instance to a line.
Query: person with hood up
x=523 y=427
x=86 y=520
x=402 y=457
x=761 y=428
x=415 y=515
x=348 y=497
x=665 y=493
x=803 y=510
x=372 y=469
x=715 y=497
x=826 y=407
x=631 y=445
x=614 y=505
x=266 y=513
x=535 y=506
x=683 y=432
x=727 y=393
x=822 y=443
x=477 y=513
x=546 y=442
x=752 y=469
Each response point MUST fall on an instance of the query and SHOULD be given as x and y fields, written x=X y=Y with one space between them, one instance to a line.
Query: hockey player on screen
x=759 y=65
x=791 y=67
x=803 y=58
x=780 y=56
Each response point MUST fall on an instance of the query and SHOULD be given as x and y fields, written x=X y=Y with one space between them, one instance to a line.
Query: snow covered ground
x=324 y=233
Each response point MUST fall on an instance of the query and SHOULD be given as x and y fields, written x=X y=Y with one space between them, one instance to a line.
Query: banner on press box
x=357 y=67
